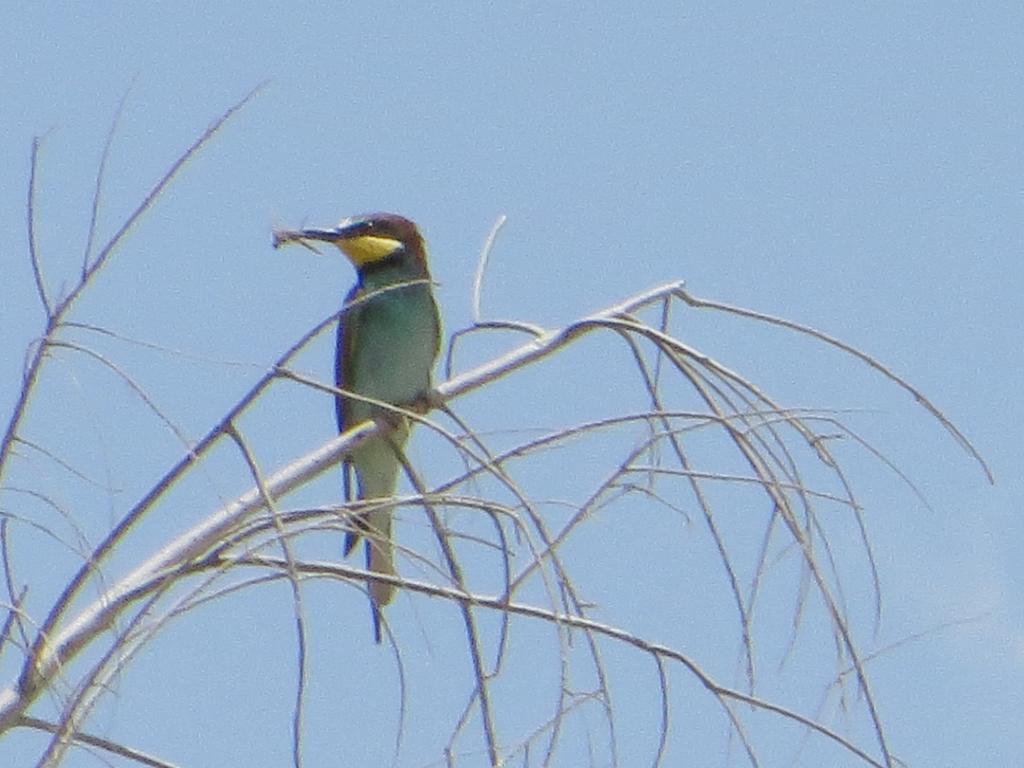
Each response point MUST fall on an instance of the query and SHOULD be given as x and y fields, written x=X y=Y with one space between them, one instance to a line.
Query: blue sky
x=856 y=169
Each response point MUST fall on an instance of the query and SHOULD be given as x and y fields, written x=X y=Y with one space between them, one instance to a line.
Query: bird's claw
x=426 y=402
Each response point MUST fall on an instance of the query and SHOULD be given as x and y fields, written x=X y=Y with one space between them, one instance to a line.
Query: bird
x=388 y=340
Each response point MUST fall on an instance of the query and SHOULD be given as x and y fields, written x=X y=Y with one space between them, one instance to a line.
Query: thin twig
x=334 y=570
x=16 y=600
x=959 y=436
x=33 y=249
x=91 y=740
x=98 y=187
x=481 y=266
x=56 y=315
x=472 y=632
x=147 y=202
x=294 y=582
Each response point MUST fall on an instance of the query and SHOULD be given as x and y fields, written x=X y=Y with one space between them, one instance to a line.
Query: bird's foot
x=426 y=402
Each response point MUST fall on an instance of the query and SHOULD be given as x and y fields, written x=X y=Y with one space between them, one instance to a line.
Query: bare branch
x=33 y=248
x=147 y=202
x=767 y=441
x=99 y=742
x=961 y=439
x=98 y=188
x=481 y=267
x=293 y=581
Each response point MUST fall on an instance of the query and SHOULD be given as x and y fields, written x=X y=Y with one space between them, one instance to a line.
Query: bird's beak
x=352 y=237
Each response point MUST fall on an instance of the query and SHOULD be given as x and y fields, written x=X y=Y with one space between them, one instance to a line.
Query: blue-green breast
x=393 y=342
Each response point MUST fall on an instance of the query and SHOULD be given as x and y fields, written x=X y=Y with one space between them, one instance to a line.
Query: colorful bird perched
x=388 y=340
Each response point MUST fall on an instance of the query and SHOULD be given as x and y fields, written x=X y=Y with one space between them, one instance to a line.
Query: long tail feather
x=377 y=466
